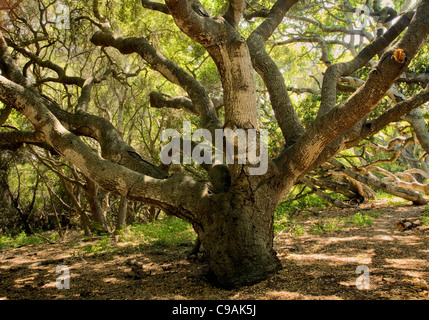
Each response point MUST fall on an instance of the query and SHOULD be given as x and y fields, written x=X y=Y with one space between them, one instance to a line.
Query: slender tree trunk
x=99 y=216
x=84 y=221
x=121 y=222
x=5 y=199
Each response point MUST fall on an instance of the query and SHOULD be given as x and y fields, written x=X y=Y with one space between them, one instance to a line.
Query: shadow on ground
x=315 y=267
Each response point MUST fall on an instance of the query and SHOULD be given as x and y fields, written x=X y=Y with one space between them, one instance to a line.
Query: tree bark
x=98 y=214
x=237 y=236
x=121 y=221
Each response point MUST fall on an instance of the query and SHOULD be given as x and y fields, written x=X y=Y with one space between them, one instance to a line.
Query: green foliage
x=425 y=217
x=168 y=232
x=22 y=239
x=289 y=225
x=360 y=220
x=291 y=205
x=391 y=199
x=307 y=110
x=126 y=104
x=284 y=220
x=327 y=226
x=102 y=246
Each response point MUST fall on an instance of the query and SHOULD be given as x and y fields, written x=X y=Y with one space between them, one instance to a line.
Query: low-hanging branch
x=377 y=183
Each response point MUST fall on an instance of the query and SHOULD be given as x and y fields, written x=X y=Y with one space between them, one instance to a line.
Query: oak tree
x=234 y=222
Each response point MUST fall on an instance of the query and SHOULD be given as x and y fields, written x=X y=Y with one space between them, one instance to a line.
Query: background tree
x=79 y=84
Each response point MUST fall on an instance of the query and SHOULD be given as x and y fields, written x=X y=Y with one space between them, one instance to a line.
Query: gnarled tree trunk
x=237 y=235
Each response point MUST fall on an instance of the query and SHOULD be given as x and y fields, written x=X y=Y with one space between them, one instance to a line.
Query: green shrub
x=425 y=218
x=289 y=225
x=102 y=246
x=22 y=239
x=168 y=232
x=331 y=225
x=360 y=220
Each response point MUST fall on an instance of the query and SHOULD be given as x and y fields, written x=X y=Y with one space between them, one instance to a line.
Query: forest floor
x=316 y=265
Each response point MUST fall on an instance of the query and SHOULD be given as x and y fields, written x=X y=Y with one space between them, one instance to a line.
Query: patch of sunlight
x=24 y=279
x=355 y=259
x=283 y=295
x=414 y=274
x=50 y=285
x=383 y=238
x=113 y=280
x=335 y=240
x=353 y=284
x=286 y=295
x=408 y=263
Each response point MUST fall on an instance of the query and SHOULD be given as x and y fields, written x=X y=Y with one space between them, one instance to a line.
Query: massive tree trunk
x=237 y=233
x=234 y=222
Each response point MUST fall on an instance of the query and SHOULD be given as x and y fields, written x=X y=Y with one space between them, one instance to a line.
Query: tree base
x=244 y=276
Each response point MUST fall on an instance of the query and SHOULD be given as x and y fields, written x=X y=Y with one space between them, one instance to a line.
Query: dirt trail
x=315 y=267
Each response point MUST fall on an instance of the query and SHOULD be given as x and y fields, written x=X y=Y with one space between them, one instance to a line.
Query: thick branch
x=158 y=100
x=168 y=69
x=351 y=138
x=193 y=20
x=156 y=6
x=300 y=157
x=393 y=114
x=283 y=108
x=110 y=176
x=235 y=11
x=62 y=77
x=375 y=182
x=323 y=195
x=338 y=70
x=410 y=77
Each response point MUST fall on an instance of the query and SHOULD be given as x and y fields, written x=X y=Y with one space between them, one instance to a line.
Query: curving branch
x=412 y=77
x=168 y=69
x=108 y=175
x=335 y=71
x=13 y=140
x=193 y=20
x=375 y=182
x=156 y=6
x=326 y=29
x=112 y=146
x=286 y=116
x=235 y=12
x=158 y=100
x=337 y=120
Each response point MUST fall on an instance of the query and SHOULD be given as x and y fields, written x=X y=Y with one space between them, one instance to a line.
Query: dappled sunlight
x=417 y=264
x=344 y=239
x=381 y=237
x=315 y=266
x=286 y=295
x=411 y=240
x=331 y=259
x=113 y=280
